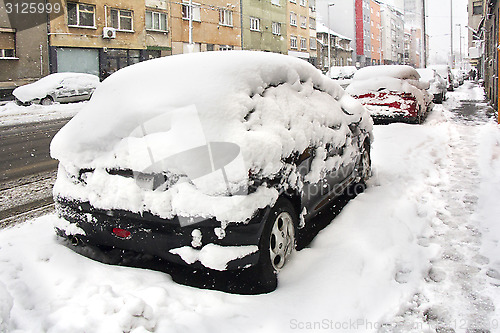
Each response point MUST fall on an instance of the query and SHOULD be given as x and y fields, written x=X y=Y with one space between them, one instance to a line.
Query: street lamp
x=460 y=31
x=328 y=30
x=451 y=33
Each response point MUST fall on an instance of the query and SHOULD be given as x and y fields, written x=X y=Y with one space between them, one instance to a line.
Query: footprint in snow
x=493 y=273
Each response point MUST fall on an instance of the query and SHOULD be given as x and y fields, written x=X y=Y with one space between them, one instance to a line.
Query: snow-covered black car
x=215 y=159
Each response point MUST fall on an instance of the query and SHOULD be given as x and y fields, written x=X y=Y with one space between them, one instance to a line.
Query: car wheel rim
x=282 y=240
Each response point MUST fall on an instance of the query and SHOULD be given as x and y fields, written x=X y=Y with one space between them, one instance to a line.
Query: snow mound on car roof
x=254 y=109
x=403 y=72
x=40 y=88
x=225 y=88
x=399 y=78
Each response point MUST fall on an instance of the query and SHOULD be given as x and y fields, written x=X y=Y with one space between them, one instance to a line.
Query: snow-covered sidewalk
x=418 y=251
x=13 y=114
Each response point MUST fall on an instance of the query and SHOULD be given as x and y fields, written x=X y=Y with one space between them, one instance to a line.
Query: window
x=276 y=28
x=121 y=19
x=225 y=17
x=303 y=3
x=156 y=21
x=312 y=23
x=275 y=2
x=7 y=43
x=303 y=22
x=293 y=19
x=303 y=43
x=293 y=42
x=254 y=24
x=225 y=47
x=81 y=15
x=477 y=8
x=312 y=43
x=7 y=53
x=196 y=11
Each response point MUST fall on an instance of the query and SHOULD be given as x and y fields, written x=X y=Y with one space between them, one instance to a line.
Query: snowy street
x=416 y=252
x=27 y=170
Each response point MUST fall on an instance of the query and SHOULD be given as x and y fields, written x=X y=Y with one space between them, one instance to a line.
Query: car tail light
x=122 y=233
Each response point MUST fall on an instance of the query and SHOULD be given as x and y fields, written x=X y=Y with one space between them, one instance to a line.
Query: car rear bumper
x=163 y=238
x=399 y=118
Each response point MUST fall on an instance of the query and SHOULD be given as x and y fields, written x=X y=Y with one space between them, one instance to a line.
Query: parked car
x=57 y=87
x=459 y=76
x=438 y=85
x=445 y=72
x=391 y=93
x=215 y=159
x=341 y=72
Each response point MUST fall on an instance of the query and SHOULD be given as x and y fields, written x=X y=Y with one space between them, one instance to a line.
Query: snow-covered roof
x=322 y=28
x=395 y=71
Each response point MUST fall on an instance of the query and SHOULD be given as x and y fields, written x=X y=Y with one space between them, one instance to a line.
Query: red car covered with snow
x=392 y=93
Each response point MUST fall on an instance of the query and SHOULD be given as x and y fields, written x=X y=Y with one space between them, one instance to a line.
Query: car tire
x=364 y=172
x=366 y=162
x=47 y=101
x=278 y=239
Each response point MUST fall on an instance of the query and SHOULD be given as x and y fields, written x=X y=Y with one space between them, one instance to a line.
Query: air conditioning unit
x=108 y=32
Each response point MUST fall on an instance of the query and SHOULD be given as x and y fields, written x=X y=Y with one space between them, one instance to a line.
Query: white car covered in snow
x=437 y=85
x=58 y=87
x=445 y=72
x=341 y=72
x=216 y=159
x=391 y=93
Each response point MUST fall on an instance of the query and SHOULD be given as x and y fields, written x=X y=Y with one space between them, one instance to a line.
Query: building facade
x=299 y=32
x=158 y=29
x=393 y=35
x=490 y=59
x=263 y=25
x=216 y=26
x=23 y=51
x=97 y=37
x=375 y=33
x=413 y=47
x=341 y=52
x=363 y=33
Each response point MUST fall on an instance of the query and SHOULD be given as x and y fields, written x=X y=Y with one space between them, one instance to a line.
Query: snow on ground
x=13 y=114
x=416 y=252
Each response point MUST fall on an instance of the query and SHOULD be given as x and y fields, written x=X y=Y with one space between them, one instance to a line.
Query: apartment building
x=414 y=43
x=375 y=33
x=23 y=50
x=313 y=52
x=216 y=25
x=340 y=48
x=97 y=37
x=158 y=31
x=393 y=35
x=363 y=33
x=298 y=31
x=263 y=25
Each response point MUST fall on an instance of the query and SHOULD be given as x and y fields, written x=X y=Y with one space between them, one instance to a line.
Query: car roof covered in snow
x=395 y=71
